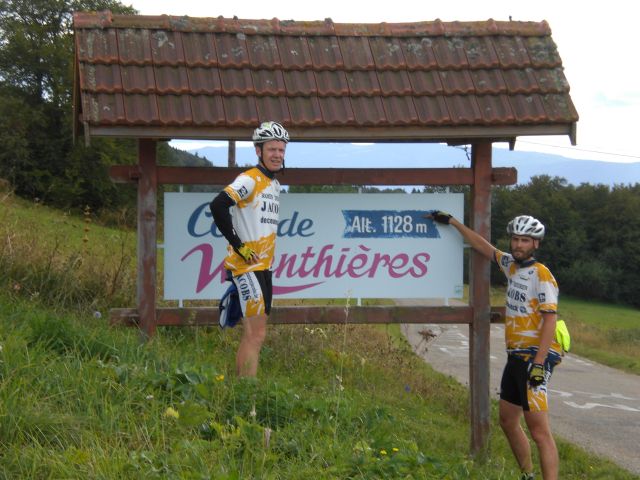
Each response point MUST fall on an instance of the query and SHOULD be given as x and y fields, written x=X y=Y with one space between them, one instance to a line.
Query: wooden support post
x=231 y=158
x=147 y=215
x=479 y=288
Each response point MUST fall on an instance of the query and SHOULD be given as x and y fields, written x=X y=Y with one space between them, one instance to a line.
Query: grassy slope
x=609 y=334
x=63 y=260
x=81 y=400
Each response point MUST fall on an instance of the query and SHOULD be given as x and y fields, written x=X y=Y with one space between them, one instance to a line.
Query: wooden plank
x=291 y=315
x=318 y=176
x=479 y=283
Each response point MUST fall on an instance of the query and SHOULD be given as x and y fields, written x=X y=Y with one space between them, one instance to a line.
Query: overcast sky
x=597 y=44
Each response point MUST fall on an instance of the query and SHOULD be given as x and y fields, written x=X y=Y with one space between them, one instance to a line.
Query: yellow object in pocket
x=562 y=335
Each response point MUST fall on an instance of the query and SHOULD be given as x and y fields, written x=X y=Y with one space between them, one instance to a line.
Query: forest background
x=593 y=229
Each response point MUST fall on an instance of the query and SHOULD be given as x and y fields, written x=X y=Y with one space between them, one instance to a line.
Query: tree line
x=593 y=230
x=38 y=156
x=593 y=233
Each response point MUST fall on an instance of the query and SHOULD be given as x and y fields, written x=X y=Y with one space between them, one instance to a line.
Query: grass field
x=80 y=399
x=608 y=334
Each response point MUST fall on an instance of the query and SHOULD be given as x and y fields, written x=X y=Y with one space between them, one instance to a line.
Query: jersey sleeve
x=241 y=188
x=547 y=290
x=504 y=261
x=222 y=218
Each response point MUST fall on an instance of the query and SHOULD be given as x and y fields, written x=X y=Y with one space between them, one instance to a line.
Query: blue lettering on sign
x=291 y=227
x=287 y=227
x=388 y=224
x=193 y=223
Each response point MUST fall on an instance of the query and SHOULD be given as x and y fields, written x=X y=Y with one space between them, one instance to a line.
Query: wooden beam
x=147 y=226
x=479 y=282
x=318 y=176
x=292 y=315
x=231 y=154
x=405 y=133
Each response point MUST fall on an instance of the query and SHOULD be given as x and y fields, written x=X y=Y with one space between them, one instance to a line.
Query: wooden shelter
x=474 y=83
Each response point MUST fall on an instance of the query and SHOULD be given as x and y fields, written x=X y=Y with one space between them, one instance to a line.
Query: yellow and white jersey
x=532 y=289
x=255 y=218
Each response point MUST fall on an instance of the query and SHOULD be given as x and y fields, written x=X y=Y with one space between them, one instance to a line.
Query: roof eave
x=341 y=133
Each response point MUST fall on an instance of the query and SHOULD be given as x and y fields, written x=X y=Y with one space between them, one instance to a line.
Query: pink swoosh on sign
x=284 y=290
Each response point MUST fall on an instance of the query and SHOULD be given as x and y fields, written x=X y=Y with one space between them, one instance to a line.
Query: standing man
x=246 y=213
x=533 y=352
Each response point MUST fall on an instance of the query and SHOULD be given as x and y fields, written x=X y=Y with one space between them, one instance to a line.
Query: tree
x=36 y=45
x=36 y=65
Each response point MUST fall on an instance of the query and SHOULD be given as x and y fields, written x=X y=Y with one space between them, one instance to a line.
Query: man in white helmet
x=533 y=352
x=246 y=212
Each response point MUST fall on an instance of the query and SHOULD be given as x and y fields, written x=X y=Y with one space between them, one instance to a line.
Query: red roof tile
x=294 y=53
x=166 y=48
x=273 y=107
x=332 y=83
x=199 y=49
x=336 y=112
x=218 y=77
x=300 y=82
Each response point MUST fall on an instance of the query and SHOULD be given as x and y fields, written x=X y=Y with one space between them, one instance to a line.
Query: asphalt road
x=590 y=405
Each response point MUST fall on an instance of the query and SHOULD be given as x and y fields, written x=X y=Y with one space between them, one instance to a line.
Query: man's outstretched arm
x=474 y=239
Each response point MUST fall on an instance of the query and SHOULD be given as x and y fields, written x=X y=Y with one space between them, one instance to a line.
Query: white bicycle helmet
x=526 y=225
x=268 y=131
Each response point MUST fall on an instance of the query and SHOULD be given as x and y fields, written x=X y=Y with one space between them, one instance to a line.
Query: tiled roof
x=182 y=77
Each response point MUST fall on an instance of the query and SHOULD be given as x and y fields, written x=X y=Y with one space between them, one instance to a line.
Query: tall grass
x=63 y=261
x=81 y=400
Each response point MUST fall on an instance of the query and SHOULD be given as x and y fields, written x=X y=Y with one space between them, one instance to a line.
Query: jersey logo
x=243 y=192
x=504 y=261
x=542 y=297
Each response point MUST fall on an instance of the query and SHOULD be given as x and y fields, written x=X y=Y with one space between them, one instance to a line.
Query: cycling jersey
x=255 y=215
x=531 y=291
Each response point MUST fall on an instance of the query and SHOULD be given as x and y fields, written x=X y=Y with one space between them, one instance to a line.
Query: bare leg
x=510 y=416
x=253 y=335
x=538 y=425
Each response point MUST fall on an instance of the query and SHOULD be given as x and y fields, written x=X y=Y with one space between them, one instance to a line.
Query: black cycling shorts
x=515 y=388
x=255 y=290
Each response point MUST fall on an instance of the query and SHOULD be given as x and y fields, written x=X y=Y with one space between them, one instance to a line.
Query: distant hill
x=406 y=155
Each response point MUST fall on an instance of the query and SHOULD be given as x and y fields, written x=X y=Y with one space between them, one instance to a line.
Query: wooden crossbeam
x=318 y=176
x=292 y=315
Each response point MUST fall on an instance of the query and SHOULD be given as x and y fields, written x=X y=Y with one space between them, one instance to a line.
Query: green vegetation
x=64 y=261
x=80 y=399
x=608 y=334
x=592 y=237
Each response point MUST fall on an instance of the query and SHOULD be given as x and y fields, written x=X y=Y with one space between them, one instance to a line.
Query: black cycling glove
x=536 y=374
x=439 y=216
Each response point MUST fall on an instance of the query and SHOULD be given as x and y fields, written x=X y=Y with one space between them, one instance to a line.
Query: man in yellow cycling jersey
x=533 y=352
x=246 y=212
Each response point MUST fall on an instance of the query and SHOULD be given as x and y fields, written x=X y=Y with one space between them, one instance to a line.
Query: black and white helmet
x=268 y=131
x=526 y=225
